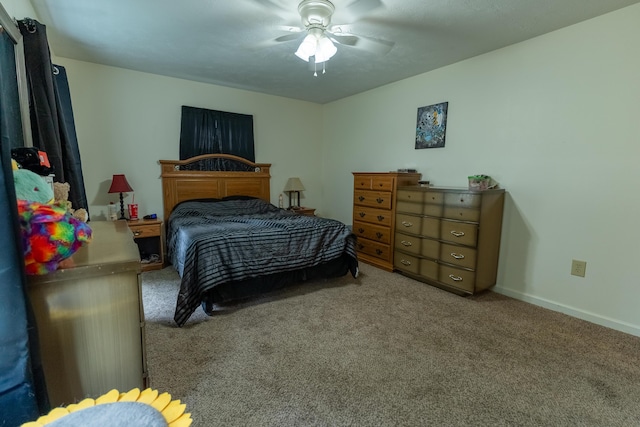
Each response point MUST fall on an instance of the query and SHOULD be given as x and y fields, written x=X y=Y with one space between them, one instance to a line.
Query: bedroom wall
x=126 y=121
x=554 y=120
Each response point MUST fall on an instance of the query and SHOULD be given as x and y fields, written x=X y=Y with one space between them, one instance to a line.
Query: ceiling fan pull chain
x=315 y=69
x=323 y=69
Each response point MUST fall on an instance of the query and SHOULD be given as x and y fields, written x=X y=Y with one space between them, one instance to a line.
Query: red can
x=133 y=211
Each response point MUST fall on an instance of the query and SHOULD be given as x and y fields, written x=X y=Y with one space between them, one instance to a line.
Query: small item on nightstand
x=133 y=211
x=113 y=212
x=150 y=216
x=424 y=183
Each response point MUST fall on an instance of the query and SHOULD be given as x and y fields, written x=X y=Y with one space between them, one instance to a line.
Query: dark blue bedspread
x=215 y=242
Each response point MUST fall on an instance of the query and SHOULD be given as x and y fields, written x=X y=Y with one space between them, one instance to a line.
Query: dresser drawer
x=373 y=182
x=382 y=183
x=434 y=197
x=373 y=216
x=457 y=277
x=462 y=206
x=378 y=250
x=410 y=196
x=372 y=231
x=139 y=231
x=459 y=232
x=408 y=207
x=375 y=199
x=406 y=262
x=458 y=255
x=425 y=226
x=419 y=202
x=410 y=244
x=461 y=214
x=429 y=269
x=432 y=209
x=418 y=245
x=409 y=223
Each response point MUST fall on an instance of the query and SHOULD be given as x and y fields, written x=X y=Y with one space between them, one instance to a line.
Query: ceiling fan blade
x=287 y=37
x=270 y=5
x=359 y=8
x=276 y=9
x=370 y=44
x=344 y=39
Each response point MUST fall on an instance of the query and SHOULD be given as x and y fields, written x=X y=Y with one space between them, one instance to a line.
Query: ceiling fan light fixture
x=307 y=48
x=325 y=49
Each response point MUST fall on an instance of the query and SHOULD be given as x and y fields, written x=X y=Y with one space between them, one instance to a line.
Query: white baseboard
x=589 y=317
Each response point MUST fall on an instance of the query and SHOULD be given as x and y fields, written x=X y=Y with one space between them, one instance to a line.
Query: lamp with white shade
x=294 y=187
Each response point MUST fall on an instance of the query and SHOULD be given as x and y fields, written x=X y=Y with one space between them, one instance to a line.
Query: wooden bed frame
x=179 y=183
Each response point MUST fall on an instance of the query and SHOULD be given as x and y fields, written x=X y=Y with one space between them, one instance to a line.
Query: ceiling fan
x=318 y=46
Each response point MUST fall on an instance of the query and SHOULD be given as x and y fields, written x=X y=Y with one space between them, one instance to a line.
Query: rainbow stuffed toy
x=50 y=234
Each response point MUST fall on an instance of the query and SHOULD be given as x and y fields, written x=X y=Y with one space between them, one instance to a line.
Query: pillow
x=137 y=408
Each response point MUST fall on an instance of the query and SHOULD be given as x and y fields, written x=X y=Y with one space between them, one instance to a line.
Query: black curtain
x=205 y=131
x=69 y=141
x=52 y=121
x=23 y=393
x=12 y=135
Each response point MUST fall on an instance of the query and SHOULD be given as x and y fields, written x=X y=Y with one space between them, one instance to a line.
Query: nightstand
x=147 y=233
x=305 y=211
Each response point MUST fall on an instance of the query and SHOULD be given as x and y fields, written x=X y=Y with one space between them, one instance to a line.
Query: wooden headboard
x=192 y=179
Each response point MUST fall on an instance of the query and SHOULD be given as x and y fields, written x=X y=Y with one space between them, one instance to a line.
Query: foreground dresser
x=90 y=319
x=449 y=237
x=374 y=214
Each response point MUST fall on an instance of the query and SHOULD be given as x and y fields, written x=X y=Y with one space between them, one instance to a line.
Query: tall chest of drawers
x=374 y=195
x=449 y=238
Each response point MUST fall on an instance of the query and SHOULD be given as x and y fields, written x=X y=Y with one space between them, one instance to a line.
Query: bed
x=229 y=243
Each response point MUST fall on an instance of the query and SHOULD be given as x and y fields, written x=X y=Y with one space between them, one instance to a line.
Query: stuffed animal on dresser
x=50 y=234
x=61 y=197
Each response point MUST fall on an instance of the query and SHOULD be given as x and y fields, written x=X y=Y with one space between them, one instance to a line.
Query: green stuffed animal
x=31 y=186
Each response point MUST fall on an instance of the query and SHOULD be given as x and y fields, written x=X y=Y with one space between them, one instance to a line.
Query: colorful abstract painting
x=432 y=126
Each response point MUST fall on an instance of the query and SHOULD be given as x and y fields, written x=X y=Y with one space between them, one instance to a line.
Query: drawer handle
x=378 y=251
x=380 y=218
x=405 y=243
x=379 y=200
x=137 y=233
x=360 y=246
x=457 y=233
x=360 y=230
x=455 y=278
x=361 y=198
x=405 y=262
x=379 y=235
x=362 y=214
x=407 y=224
x=457 y=256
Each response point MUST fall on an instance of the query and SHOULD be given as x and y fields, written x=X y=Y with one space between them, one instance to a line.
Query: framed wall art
x=431 y=126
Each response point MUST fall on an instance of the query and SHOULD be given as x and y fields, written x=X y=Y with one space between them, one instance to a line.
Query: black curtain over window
x=205 y=131
x=52 y=121
x=23 y=394
x=12 y=135
x=69 y=140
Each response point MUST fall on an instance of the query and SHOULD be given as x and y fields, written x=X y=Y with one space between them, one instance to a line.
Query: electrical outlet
x=578 y=268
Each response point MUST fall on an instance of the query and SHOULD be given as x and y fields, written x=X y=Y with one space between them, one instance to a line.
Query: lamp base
x=122 y=207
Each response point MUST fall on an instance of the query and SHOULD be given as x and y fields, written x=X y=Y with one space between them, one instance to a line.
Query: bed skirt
x=225 y=295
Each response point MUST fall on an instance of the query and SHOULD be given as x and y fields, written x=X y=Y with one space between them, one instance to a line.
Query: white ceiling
x=227 y=42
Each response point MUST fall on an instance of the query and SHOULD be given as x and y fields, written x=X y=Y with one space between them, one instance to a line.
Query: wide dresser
x=90 y=318
x=449 y=237
x=374 y=196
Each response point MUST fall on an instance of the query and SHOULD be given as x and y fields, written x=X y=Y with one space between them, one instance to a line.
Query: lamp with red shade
x=120 y=185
